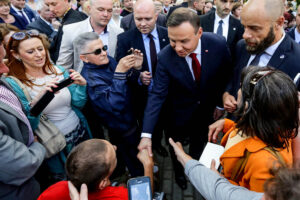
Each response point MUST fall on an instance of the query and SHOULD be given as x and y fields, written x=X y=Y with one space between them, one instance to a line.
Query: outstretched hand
x=182 y=157
x=74 y=195
x=146 y=143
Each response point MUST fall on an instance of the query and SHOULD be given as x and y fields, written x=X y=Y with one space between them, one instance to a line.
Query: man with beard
x=295 y=32
x=265 y=43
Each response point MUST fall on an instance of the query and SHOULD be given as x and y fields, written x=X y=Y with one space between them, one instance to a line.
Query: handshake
x=133 y=60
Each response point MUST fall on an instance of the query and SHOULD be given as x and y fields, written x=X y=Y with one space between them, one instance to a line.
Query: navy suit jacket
x=235 y=31
x=30 y=14
x=173 y=81
x=19 y=23
x=291 y=33
x=285 y=58
x=42 y=27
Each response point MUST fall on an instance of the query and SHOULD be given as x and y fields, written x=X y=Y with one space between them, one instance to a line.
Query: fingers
x=83 y=192
x=149 y=149
x=73 y=191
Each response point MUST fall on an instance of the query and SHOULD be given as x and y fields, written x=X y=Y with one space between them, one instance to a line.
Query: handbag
x=47 y=133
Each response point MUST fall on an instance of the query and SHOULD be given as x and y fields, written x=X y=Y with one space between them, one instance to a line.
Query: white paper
x=211 y=151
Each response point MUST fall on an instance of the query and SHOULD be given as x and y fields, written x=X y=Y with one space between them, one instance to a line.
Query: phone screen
x=141 y=191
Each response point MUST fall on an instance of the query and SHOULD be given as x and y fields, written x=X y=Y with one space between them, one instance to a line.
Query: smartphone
x=130 y=51
x=139 y=188
x=47 y=97
x=63 y=84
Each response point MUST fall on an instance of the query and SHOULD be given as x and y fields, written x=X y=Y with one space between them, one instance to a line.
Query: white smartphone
x=139 y=188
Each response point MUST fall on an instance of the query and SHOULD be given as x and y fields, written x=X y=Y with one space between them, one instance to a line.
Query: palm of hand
x=138 y=60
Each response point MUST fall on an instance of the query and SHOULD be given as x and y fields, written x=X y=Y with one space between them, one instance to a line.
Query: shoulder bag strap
x=22 y=86
x=240 y=166
x=276 y=154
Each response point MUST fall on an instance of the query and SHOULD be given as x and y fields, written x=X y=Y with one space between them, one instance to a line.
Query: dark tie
x=23 y=16
x=196 y=66
x=220 y=28
x=256 y=59
x=153 y=54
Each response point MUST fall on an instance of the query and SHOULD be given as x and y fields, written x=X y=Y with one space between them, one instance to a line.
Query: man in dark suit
x=150 y=39
x=62 y=9
x=222 y=23
x=295 y=32
x=18 y=8
x=265 y=43
x=44 y=23
x=128 y=23
x=191 y=78
x=184 y=4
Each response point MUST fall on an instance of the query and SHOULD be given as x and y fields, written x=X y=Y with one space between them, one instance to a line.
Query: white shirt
x=189 y=59
x=103 y=36
x=18 y=12
x=59 y=110
x=225 y=24
x=297 y=36
x=189 y=62
x=268 y=53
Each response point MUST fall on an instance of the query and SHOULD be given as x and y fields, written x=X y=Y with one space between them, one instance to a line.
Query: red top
x=60 y=191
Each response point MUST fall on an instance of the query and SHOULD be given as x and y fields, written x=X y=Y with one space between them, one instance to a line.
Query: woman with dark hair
x=236 y=10
x=267 y=121
x=29 y=62
x=10 y=18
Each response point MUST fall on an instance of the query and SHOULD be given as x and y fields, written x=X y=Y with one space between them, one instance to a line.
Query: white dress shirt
x=225 y=24
x=268 y=53
x=297 y=36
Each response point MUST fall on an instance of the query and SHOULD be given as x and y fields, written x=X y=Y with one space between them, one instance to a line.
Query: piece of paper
x=210 y=152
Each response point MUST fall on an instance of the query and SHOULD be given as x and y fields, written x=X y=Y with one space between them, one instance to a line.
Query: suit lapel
x=280 y=54
x=211 y=22
x=231 y=30
x=181 y=63
x=163 y=41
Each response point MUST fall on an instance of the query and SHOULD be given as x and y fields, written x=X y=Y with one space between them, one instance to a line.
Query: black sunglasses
x=97 y=51
x=22 y=35
x=256 y=78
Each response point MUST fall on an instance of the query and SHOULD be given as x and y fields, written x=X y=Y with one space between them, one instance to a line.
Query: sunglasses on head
x=22 y=35
x=256 y=78
x=97 y=51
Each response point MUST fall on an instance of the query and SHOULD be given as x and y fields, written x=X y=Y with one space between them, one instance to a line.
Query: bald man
x=150 y=39
x=265 y=43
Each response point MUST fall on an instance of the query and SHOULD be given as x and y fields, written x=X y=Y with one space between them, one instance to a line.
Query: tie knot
x=150 y=36
x=221 y=22
x=193 y=55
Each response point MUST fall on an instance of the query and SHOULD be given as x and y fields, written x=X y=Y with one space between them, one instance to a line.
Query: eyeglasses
x=256 y=78
x=97 y=51
x=22 y=35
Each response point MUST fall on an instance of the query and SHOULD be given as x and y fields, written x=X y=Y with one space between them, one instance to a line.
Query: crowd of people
x=191 y=71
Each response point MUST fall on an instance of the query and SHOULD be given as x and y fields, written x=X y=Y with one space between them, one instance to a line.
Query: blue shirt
x=109 y=95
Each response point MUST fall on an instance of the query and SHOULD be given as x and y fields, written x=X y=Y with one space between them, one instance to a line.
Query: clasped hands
x=134 y=60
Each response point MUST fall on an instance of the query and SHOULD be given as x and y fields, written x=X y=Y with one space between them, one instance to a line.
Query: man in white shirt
x=222 y=23
x=100 y=15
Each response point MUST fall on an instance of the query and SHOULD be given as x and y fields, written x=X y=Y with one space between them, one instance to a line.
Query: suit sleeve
x=66 y=51
x=18 y=162
x=156 y=97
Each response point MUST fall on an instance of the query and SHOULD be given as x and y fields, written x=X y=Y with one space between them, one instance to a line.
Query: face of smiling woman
x=32 y=53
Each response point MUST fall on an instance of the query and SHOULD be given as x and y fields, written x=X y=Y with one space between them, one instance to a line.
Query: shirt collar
x=16 y=9
x=271 y=49
x=90 y=28
x=45 y=21
x=225 y=20
x=154 y=33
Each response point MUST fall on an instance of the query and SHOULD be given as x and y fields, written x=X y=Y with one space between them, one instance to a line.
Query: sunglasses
x=97 y=51
x=256 y=78
x=22 y=35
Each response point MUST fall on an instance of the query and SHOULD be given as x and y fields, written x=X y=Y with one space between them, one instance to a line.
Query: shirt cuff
x=219 y=108
x=146 y=135
x=120 y=76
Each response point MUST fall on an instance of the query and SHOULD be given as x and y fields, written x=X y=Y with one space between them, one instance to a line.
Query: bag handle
x=22 y=86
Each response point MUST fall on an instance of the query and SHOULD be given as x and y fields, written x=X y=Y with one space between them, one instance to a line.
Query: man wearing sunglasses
x=109 y=96
x=100 y=15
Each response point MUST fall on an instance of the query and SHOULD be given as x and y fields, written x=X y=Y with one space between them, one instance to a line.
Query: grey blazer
x=68 y=55
x=19 y=163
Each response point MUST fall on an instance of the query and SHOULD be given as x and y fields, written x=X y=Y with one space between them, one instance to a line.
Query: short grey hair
x=81 y=41
x=40 y=5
